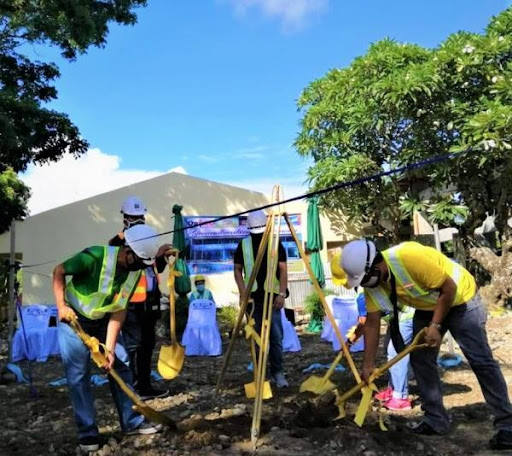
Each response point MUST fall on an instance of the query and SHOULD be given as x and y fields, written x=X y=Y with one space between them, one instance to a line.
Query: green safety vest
x=248 y=253
x=381 y=297
x=207 y=294
x=93 y=306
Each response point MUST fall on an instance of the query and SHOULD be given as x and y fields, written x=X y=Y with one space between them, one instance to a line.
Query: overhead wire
x=342 y=185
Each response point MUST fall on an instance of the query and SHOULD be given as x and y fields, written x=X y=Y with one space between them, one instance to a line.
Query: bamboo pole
x=243 y=306
x=265 y=329
x=320 y=292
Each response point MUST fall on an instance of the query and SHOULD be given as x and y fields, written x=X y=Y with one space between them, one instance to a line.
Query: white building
x=51 y=237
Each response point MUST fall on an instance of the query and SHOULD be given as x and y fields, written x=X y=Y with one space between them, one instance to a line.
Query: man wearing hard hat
x=101 y=280
x=244 y=261
x=445 y=297
x=143 y=308
x=396 y=396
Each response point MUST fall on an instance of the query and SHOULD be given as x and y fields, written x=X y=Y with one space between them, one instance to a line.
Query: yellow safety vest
x=403 y=279
x=248 y=253
x=93 y=305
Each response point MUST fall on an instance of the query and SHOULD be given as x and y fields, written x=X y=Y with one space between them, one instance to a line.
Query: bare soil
x=292 y=423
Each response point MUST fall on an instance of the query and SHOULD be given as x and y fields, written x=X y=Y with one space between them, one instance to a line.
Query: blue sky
x=210 y=87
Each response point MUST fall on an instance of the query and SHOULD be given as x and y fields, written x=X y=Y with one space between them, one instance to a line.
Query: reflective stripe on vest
x=380 y=296
x=141 y=291
x=381 y=299
x=93 y=305
x=139 y=295
x=403 y=278
x=248 y=253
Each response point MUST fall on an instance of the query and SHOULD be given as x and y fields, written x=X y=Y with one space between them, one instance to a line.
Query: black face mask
x=372 y=278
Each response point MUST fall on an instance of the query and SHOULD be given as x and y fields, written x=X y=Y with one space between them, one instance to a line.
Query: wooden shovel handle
x=415 y=345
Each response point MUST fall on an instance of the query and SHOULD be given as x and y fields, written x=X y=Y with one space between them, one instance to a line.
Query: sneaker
x=152 y=393
x=384 y=395
x=398 y=404
x=88 y=444
x=145 y=428
x=280 y=380
x=421 y=428
x=502 y=440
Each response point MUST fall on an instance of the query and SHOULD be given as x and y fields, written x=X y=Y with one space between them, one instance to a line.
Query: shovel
x=171 y=357
x=320 y=385
x=250 y=388
x=99 y=356
x=415 y=345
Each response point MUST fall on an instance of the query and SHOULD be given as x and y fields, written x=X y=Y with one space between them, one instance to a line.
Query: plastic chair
x=346 y=316
x=328 y=331
x=201 y=336
x=51 y=344
x=41 y=340
x=291 y=342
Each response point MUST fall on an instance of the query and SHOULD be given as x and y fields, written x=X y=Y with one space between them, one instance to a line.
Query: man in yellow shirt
x=445 y=297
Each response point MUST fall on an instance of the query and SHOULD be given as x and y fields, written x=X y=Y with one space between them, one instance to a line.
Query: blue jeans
x=276 y=337
x=399 y=373
x=467 y=326
x=77 y=363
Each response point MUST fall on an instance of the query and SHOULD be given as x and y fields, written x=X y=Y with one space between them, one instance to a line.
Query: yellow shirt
x=428 y=268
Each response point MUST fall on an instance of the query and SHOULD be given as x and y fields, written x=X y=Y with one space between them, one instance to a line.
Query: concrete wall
x=55 y=235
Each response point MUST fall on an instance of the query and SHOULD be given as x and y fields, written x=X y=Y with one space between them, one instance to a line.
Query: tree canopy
x=400 y=103
x=30 y=132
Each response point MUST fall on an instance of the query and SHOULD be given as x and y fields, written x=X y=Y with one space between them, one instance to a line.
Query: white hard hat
x=256 y=222
x=133 y=206
x=142 y=240
x=356 y=261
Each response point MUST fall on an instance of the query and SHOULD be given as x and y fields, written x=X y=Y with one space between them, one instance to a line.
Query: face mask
x=129 y=223
x=200 y=288
x=372 y=279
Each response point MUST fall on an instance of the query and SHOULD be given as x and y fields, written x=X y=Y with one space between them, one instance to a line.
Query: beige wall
x=59 y=233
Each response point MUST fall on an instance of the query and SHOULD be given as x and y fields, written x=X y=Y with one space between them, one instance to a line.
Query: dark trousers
x=275 y=354
x=467 y=326
x=139 y=340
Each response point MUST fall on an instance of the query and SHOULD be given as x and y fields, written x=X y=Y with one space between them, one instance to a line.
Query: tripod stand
x=270 y=244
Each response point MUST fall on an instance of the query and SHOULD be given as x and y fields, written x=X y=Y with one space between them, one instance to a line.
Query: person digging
x=445 y=298
x=94 y=286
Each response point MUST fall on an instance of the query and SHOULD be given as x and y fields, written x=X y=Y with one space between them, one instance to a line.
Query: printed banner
x=212 y=245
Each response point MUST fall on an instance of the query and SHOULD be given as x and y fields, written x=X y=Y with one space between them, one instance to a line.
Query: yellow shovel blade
x=250 y=390
x=170 y=361
x=317 y=385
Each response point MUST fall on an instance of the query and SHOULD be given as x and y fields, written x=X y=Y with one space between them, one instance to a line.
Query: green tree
x=401 y=103
x=30 y=132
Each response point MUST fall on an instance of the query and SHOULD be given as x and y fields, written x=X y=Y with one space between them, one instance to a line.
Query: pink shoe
x=384 y=395
x=398 y=404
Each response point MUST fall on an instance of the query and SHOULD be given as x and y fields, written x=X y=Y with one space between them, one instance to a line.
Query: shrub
x=313 y=305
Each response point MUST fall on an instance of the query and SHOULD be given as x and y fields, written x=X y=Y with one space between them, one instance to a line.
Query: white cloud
x=71 y=179
x=292 y=13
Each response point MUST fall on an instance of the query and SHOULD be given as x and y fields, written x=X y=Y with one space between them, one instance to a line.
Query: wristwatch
x=283 y=295
x=436 y=325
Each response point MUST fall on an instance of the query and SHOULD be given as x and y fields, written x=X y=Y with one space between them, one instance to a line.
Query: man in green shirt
x=96 y=285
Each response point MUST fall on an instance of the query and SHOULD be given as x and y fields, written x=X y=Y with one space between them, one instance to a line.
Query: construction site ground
x=292 y=423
